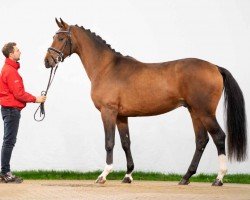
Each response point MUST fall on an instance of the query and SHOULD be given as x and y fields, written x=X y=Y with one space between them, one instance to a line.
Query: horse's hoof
x=127 y=180
x=217 y=182
x=100 y=180
x=184 y=182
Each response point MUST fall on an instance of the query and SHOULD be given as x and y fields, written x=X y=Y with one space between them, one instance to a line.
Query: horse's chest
x=104 y=96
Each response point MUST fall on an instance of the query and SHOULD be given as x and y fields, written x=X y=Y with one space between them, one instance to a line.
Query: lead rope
x=44 y=93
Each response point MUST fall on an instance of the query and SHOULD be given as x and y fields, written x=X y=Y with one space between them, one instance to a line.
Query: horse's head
x=61 y=46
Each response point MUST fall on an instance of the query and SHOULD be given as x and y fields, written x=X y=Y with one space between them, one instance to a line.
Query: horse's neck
x=94 y=58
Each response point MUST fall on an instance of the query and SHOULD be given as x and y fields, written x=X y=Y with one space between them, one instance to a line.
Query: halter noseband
x=60 y=53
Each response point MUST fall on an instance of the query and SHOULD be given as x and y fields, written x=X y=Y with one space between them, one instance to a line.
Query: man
x=13 y=99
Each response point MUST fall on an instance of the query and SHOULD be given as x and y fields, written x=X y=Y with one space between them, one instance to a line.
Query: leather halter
x=60 y=53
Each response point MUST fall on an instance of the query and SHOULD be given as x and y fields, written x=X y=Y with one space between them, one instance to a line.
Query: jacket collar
x=12 y=63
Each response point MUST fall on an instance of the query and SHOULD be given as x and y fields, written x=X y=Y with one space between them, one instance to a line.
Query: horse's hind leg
x=218 y=136
x=122 y=125
x=201 y=138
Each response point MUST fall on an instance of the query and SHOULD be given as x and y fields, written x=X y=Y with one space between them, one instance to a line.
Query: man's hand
x=40 y=99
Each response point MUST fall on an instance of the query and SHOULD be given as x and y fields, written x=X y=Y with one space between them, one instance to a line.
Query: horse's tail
x=235 y=117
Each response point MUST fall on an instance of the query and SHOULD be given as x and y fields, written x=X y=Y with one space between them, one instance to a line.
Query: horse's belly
x=152 y=106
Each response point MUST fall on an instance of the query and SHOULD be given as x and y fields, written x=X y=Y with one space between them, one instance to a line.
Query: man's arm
x=16 y=87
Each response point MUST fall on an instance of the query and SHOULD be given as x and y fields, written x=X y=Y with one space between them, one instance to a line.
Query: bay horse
x=123 y=87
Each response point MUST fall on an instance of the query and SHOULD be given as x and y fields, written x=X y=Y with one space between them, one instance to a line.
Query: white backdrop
x=71 y=136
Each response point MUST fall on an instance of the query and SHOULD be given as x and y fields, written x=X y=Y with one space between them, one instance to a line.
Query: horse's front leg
x=122 y=125
x=109 y=116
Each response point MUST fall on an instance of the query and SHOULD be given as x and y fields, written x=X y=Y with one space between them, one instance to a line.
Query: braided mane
x=98 y=39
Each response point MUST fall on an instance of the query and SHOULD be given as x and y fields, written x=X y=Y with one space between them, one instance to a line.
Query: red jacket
x=12 y=92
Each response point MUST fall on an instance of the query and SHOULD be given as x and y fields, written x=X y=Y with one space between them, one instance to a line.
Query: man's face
x=16 y=54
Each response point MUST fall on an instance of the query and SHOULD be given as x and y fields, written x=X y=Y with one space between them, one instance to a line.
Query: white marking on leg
x=223 y=167
x=129 y=176
x=106 y=171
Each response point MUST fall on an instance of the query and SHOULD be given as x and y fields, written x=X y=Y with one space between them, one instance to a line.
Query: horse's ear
x=58 y=23
x=64 y=24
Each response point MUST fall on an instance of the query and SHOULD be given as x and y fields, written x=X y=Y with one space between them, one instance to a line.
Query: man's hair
x=8 y=48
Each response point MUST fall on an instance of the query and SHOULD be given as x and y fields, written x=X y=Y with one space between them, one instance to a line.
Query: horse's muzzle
x=47 y=63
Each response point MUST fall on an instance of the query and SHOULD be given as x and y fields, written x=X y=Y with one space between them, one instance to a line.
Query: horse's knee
x=125 y=145
x=109 y=145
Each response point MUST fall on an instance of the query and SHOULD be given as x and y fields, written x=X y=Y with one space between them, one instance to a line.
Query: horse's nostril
x=46 y=62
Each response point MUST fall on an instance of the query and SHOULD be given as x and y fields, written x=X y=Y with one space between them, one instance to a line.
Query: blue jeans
x=11 y=118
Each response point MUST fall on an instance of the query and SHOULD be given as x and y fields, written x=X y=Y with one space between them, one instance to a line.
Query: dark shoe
x=10 y=178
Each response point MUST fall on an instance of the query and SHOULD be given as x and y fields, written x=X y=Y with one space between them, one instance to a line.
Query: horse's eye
x=60 y=39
